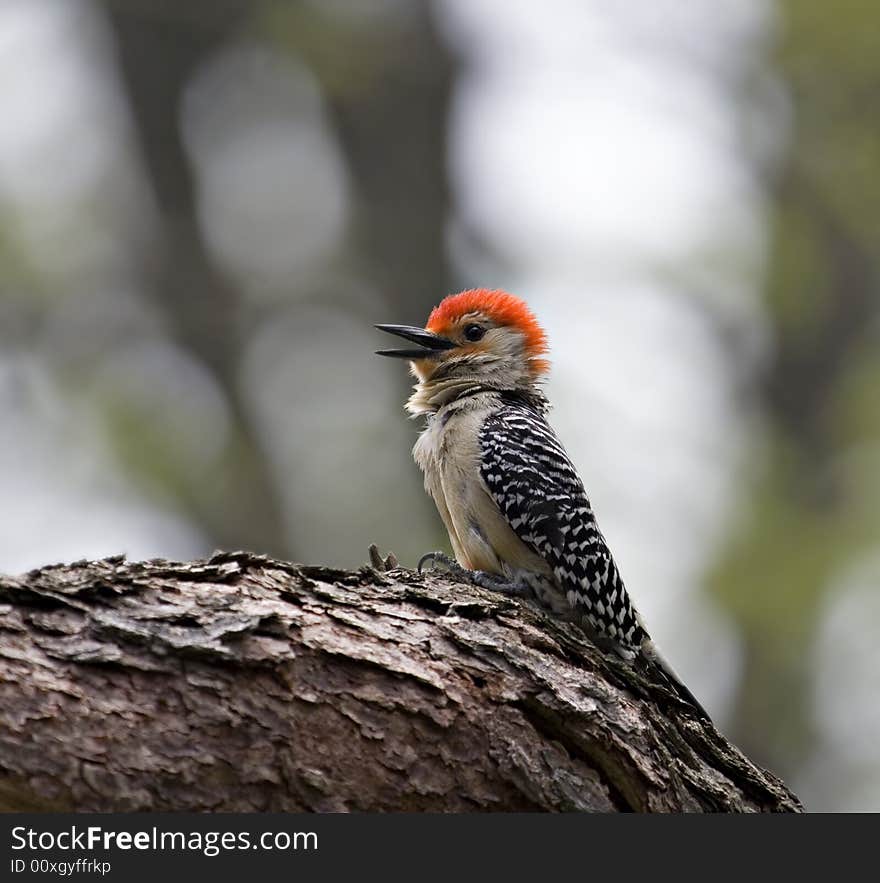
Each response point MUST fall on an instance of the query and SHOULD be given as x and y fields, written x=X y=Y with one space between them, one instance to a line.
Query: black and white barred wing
x=536 y=487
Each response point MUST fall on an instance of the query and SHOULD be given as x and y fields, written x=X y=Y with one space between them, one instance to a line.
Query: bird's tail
x=670 y=676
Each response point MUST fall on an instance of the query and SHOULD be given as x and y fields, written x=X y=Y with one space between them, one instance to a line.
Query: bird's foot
x=450 y=565
x=492 y=581
x=389 y=562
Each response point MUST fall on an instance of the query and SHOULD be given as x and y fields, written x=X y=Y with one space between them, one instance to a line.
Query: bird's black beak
x=431 y=344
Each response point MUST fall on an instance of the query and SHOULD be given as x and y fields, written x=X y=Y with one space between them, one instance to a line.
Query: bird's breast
x=449 y=454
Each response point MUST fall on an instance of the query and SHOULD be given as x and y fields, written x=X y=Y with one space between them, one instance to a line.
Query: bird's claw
x=389 y=562
x=451 y=565
x=492 y=581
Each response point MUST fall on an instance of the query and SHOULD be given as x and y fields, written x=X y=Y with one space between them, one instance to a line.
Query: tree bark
x=243 y=683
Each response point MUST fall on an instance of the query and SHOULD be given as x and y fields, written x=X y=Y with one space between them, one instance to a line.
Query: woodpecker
x=518 y=517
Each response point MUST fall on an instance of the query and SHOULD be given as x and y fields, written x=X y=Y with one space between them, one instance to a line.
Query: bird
x=518 y=517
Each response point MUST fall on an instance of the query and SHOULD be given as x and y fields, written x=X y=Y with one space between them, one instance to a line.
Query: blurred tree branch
x=387 y=80
x=159 y=46
x=244 y=683
x=804 y=379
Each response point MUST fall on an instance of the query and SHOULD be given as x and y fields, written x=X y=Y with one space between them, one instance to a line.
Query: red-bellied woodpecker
x=518 y=517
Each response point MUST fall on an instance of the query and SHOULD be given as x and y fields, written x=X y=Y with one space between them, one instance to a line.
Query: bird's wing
x=534 y=484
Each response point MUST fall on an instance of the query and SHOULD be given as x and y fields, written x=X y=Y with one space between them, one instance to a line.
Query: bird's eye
x=474 y=332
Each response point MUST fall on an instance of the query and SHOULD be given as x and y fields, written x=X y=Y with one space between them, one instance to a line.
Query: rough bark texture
x=244 y=683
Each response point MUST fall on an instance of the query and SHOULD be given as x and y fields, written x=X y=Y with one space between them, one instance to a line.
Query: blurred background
x=204 y=206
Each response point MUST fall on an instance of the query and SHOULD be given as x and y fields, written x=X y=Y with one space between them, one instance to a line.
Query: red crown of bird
x=502 y=308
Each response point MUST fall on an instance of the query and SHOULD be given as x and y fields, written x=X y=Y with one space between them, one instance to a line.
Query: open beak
x=430 y=344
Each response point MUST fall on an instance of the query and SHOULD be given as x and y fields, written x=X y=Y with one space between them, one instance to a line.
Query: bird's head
x=478 y=337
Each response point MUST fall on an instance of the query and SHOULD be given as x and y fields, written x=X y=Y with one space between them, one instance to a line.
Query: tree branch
x=244 y=683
